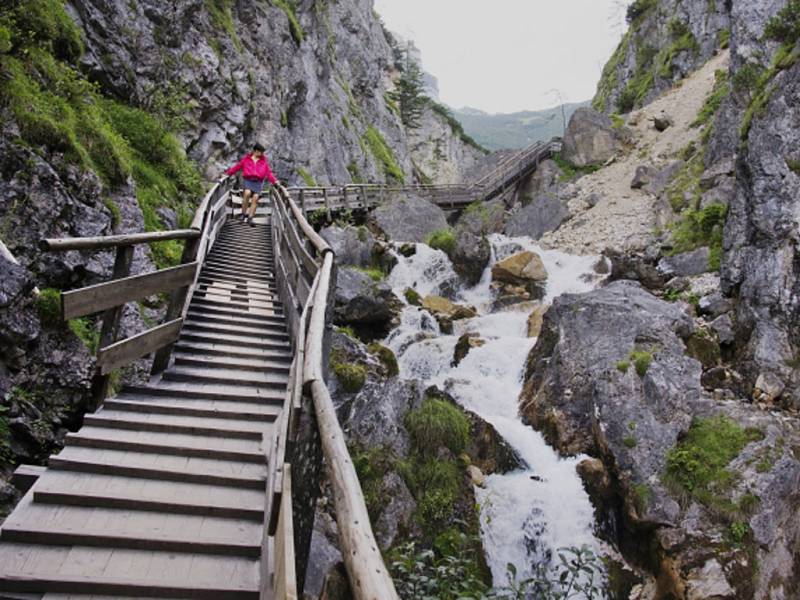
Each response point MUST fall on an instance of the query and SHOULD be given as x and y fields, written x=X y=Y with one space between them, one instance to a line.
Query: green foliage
x=455 y=126
x=623 y=366
x=785 y=26
x=642 y=360
x=629 y=441
x=87 y=332
x=714 y=101
x=371 y=467
x=641 y=496
x=793 y=164
x=413 y=297
x=724 y=38
x=48 y=305
x=348 y=331
x=442 y=239
x=318 y=217
x=435 y=424
x=436 y=485
x=44 y=24
x=610 y=78
x=698 y=228
x=382 y=153
x=221 y=13
x=571 y=171
x=387 y=358
x=373 y=273
x=306 y=177
x=642 y=81
x=409 y=95
x=746 y=79
x=289 y=7
x=351 y=376
x=697 y=465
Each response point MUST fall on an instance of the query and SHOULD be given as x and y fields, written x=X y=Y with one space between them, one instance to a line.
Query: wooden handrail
x=115 y=241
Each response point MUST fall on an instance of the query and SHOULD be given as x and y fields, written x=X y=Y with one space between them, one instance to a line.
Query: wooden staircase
x=162 y=492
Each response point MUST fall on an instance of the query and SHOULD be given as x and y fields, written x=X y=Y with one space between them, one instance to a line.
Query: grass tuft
x=442 y=239
x=435 y=424
x=382 y=153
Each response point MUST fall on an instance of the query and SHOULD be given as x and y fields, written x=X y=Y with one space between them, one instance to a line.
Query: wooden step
x=221 y=393
x=233 y=351
x=231 y=292
x=234 y=318
x=234 y=501
x=126 y=573
x=219 y=311
x=234 y=268
x=183 y=359
x=229 y=377
x=182 y=424
x=192 y=334
x=197 y=408
x=271 y=309
x=265 y=331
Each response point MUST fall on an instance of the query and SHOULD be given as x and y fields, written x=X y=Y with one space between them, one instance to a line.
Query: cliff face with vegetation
x=115 y=115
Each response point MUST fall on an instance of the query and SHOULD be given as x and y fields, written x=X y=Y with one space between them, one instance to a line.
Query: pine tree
x=410 y=93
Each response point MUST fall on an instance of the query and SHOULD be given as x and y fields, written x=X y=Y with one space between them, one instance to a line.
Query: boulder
x=661 y=178
x=590 y=139
x=362 y=302
x=686 y=264
x=717 y=173
x=476 y=476
x=465 y=343
x=546 y=175
x=472 y=250
x=708 y=583
x=662 y=122
x=520 y=268
x=168 y=217
x=407 y=218
x=535 y=320
x=768 y=388
x=543 y=214
x=644 y=176
x=638 y=266
x=446 y=311
x=714 y=305
x=723 y=327
x=352 y=246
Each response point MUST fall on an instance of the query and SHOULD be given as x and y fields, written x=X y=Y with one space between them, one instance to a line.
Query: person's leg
x=245 y=203
x=253 y=208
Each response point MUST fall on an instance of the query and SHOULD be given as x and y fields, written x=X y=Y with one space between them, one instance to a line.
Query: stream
x=526 y=515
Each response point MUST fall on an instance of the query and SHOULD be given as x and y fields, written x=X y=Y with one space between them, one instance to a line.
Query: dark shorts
x=253 y=185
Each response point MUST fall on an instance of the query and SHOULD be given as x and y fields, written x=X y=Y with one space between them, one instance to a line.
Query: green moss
x=306 y=177
x=387 y=358
x=442 y=239
x=374 y=273
x=371 y=466
x=641 y=496
x=642 y=360
x=86 y=331
x=623 y=366
x=435 y=424
x=793 y=164
x=44 y=23
x=609 y=80
x=639 y=9
x=48 y=305
x=289 y=7
x=348 y=331
x=724 y=38
x=383 y=154
x=640 y=84
x=351 y=376
x=683 y=40
x=697 y=465
x=113 y=208
x=629 y=441
x=221 y=13
x=570 y=171
x=413 y=297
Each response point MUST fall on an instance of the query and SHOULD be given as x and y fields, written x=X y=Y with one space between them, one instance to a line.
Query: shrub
x=698 y=228
x=623 y=366
x=785 y=26
x=442 y=239
x=435 y=424
x=638 y=9
x=373 y=273
x=387 y=358
x=629 y=441
x=87 y=332
x=348 y=331
x=48 y=305
x=351 y=376
x=641 y=361
x=697 y=465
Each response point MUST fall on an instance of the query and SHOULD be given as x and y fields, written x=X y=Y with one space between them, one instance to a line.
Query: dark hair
x=258 y=147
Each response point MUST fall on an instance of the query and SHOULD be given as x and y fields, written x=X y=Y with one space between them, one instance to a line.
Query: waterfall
x=526 y=515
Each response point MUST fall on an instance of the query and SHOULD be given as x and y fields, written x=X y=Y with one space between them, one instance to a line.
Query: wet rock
x=597 y=480
x=590 y=138
x=352 y=246
x=446 y=311
x=535 y=320
x=543 y=214
x=472 y=250
x=520 y=268
x=476 y=476
x=360 y=301
x=644 y=176
x=408 y=218
x=465 y=343
x=686 y=264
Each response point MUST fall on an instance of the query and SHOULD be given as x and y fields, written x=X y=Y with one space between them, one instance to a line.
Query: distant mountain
x=515 y=130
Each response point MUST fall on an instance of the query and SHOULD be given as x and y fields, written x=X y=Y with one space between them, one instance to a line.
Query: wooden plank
x=111 y=241
x=94 y=298
x=285 y=575
x=25 y=476
x=126 y=351
x=312 y=366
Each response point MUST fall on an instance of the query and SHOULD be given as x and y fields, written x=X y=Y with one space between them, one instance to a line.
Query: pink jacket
x=252 y=169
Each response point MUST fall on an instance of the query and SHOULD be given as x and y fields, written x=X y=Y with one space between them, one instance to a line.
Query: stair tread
x=229 y=377
x=245 y=341
x=263 y=331
x=207 y=391
x=207 y=408
x=106 y=414
x=196 y=359
x=255 y=353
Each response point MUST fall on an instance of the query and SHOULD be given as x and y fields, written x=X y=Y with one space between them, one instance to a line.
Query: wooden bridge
x=203 y=482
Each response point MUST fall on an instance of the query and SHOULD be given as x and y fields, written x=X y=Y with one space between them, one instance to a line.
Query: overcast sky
x=509 y=55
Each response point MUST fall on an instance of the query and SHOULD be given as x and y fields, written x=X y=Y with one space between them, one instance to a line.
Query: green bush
x=46 y=24
x=697 y=465
x=638 y=9
x=435 y=424
x=351 y=376
x=442 y=239
x=629 y=441
x=623 y=366
x=641 y=361
x=87 y=332
x=387 y=358
x=373 y=273
x=288 y=7
x=785 y=26
x=698 y=228
x=48 y=305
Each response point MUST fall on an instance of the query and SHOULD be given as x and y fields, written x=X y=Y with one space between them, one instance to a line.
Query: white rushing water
x=527 y=514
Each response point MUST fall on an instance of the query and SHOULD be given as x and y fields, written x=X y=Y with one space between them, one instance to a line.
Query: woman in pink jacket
x=255 y=169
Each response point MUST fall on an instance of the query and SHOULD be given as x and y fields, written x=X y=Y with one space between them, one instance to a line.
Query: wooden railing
x=306 y=273
x=451 y=196
x=110 y=297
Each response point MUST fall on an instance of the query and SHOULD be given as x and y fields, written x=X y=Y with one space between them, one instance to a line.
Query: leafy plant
x=438 y=423
x=629 y=441
x=703 y=227
x=351 y=376
x=442 y=239
x=622 y=366
x=387 y=358
x=48 y=305
x=641 y=361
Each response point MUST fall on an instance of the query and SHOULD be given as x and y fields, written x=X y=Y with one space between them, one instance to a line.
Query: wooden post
x=327 y=205
x=176 y=303
x=110 y=329
x=303 y=202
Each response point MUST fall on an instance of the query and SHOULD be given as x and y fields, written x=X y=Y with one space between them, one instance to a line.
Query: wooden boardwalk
x=162 y=492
